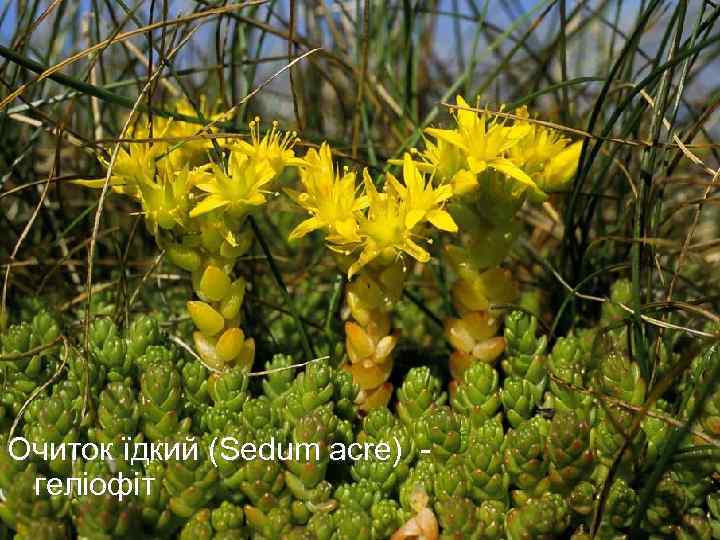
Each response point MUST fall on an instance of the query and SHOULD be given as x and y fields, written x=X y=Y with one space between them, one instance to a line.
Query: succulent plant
x=442 y=433
x=568 y=450
x=420 y=392
x=543 y=518
x=484 y=463
x=477 y=396
x=525 y=460
x=496 y=461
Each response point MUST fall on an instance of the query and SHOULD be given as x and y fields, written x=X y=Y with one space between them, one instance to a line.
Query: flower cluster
x=470 y=179
x=197 y=188
x=373 y=231
x=196 y=192
x=500 y=160
x=376 y=224
x=170 y=172
x=488 y=167
x=491 y=168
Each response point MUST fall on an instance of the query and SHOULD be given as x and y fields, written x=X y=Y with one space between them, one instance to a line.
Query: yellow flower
x=329 y=197
x=135 y=164
x=545 y=154
x=384 y=230
x=447 y=160
x=441 y=159
x=423 y=202
x=237 y=191
x=378 y=224
x=144 y=171
x=486 y=144
x=275 y=147
x=561 y=168
x=388 y=229
x=165 y=198
x=191 y=151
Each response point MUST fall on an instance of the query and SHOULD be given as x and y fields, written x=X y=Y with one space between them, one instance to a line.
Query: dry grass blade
x=122 y=37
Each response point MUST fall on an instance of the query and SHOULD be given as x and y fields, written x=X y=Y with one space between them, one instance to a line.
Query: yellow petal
x=95 y=184
x=442 y=220
x=396 y=186
x=562 y=167
x=215 y=284
x=230 y=344
x=464 y=182
x=306 y=227
x=208 y=321
x=243 y=146
x=508 y=168
x=256 y=199
x=451 y=136
x=467 y=119
x=515 y=133
x=347 y=230
x=460 y=101
x=443 y=193
x=372 y=193
x=413 y=217
x=295 y=162
x=477 y=166
x=415 y=251
x=210 y=187
x=208 y=204
x=410 y=173
x=360 y=203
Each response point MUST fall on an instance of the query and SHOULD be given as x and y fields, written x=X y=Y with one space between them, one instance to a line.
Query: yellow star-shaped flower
x=330 y=198
x=236 y=191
